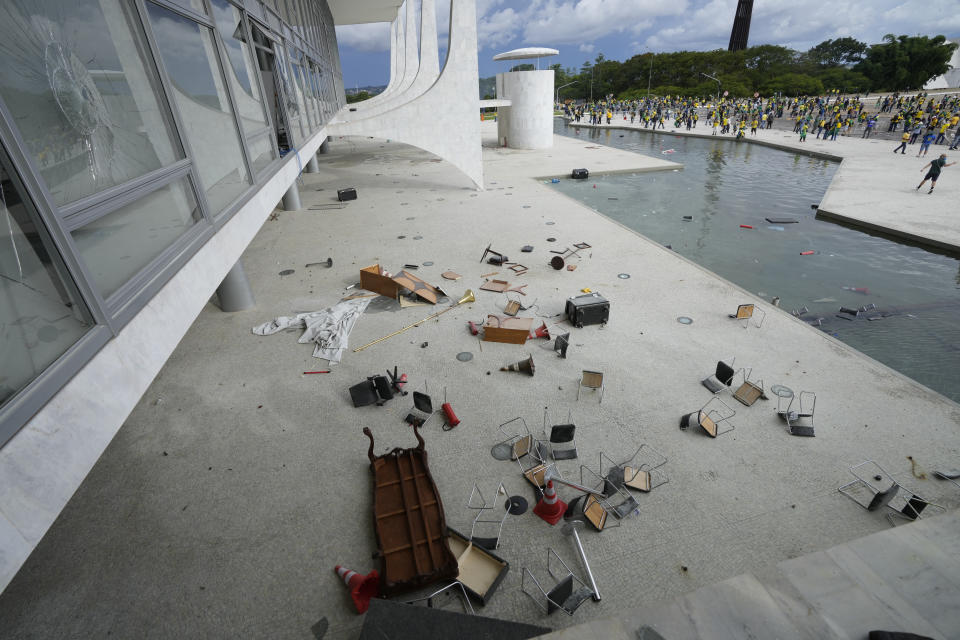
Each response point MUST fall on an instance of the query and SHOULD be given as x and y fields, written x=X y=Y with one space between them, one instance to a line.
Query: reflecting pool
x=698 y=211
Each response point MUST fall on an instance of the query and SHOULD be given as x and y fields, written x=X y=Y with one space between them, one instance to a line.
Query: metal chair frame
x=484 y=506
x=529 y=442
x=746 y=312
x=749 y=391
x=467 y=606
x=713 y=383
x=627 y=505
x=802 y=418
x=913 y=504
x=567 y=450
x=582 y=594
x=708 y=418
x=653 y=479
x=592 y=375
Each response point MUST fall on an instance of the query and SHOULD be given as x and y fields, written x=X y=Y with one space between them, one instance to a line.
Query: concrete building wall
x=42 y=466
x=528 y=122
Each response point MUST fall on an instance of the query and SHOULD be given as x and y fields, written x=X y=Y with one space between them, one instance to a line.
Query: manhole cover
x=464 y=356
x=551 y=239
x=623 y=276
x=551 y=223
x=428 y=264
x=502 y=451
x=286 y=272
x=685 y=320
x=418 y=237
x=401 y=237
x=411 y=217
x=516 y=505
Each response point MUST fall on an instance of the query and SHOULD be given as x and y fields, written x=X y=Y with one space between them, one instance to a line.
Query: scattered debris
x=343 y=195
x=326 y=263
x=527 y=248
x=782 y=220
x=450 y=275
x=496 y=257
x=913 y=469
x=497 y=286
x=321 y=371
x=467 y=297
x=526 y=366
x=513 y=306
x=587 y=309
x=448 y=413
x=424 y=345
x=561 y=343
x=807 y=253
x=579 y=174
x=403 y=485
x=329 y=328
x=362 y=588
x=506 y=329
x=286 y=272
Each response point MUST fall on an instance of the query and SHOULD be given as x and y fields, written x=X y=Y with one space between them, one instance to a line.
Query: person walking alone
x=904 y=139
x=936 y=166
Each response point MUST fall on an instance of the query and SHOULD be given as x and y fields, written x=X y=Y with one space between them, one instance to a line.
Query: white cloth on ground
x=329 y=328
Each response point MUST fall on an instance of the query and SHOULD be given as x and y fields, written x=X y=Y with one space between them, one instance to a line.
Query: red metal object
x=309 y=372
x=807 y=253
x=474 y=329
x=452 y=418
x=745 y=226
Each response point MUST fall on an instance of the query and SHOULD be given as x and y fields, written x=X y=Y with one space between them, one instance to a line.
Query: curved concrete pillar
x=444 y=120
x=428 y=69
x=397 y=52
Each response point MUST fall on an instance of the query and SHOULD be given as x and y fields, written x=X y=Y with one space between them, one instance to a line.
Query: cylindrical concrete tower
x=528 y=122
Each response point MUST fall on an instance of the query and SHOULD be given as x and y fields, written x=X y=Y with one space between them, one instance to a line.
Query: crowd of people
x=923 y=119
x=926 y=119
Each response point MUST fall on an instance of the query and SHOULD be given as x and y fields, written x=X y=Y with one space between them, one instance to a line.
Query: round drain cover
x=551 y=239
x=428 y=264
x=623 y=276
x=502 y=451
x=464 y=356
x=516 y=505
x=685 y=320
x=401 y=237
x=286 y=272
x=551 y=223
x=418 y=237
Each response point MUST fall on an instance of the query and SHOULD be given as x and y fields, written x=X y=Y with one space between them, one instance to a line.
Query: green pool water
x=698 y=211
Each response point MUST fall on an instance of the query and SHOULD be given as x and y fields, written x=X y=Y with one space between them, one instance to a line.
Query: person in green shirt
x=936 y=165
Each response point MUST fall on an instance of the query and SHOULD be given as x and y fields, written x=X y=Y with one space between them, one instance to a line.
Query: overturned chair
x=641 y=472
x=800 y=419
x=710 y=417
x=884 y=491
x=561 y=442
x=721 y=379
x=567 y=594
x=488 y=517
x=749 y=390
x=747 y=312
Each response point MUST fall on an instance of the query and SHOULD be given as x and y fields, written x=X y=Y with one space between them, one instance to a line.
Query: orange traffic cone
x=362 y=588
x=550 y=507
x=542 y=332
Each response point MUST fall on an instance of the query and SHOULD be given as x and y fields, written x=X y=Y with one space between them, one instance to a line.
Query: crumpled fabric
x=329 y=329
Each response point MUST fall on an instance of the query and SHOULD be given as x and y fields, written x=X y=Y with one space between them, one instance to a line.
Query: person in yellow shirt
x=609 y=116
x=753 y=127
x=904 y=139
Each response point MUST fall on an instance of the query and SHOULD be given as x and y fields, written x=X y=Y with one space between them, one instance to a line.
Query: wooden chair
x=710 y=418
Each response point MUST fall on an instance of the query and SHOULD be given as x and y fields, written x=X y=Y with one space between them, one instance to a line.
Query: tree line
x=846 y=65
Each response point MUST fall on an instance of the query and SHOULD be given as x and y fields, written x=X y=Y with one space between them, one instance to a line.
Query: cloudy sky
x=581 y=29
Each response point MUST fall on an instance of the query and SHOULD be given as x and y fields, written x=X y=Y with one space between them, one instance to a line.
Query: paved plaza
x=237 y=483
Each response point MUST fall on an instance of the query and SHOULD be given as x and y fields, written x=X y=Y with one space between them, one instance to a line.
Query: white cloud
x=574 y=21
x=586 y=48
x=373 y=36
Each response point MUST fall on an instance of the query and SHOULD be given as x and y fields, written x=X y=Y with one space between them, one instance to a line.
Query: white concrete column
x=234 y=291
x=445 y=120
x=528 y=122
x=291 y=199
x=312 y=165
x=396 y=68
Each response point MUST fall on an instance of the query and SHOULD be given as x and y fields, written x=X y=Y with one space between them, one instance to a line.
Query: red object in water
x=308 y=372
x=807 y=253
x=745 y=226
x=594 y=186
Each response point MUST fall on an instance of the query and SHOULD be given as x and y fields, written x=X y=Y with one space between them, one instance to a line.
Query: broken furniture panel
x=374 y=278
x=409 y=521
x=480 y=571
x=506 y=329
x=497 y=286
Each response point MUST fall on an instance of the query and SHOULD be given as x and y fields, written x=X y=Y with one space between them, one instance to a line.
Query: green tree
x=834 y=53
x=523 y=67
x=357 y=97
x=906 y=62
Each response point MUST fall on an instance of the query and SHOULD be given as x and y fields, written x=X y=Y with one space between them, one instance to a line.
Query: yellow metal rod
x=467 y=297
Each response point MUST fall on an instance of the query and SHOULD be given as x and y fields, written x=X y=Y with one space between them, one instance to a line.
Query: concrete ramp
x=904 y=579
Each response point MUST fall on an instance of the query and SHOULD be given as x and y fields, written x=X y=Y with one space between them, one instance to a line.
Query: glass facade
x=129 y=131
